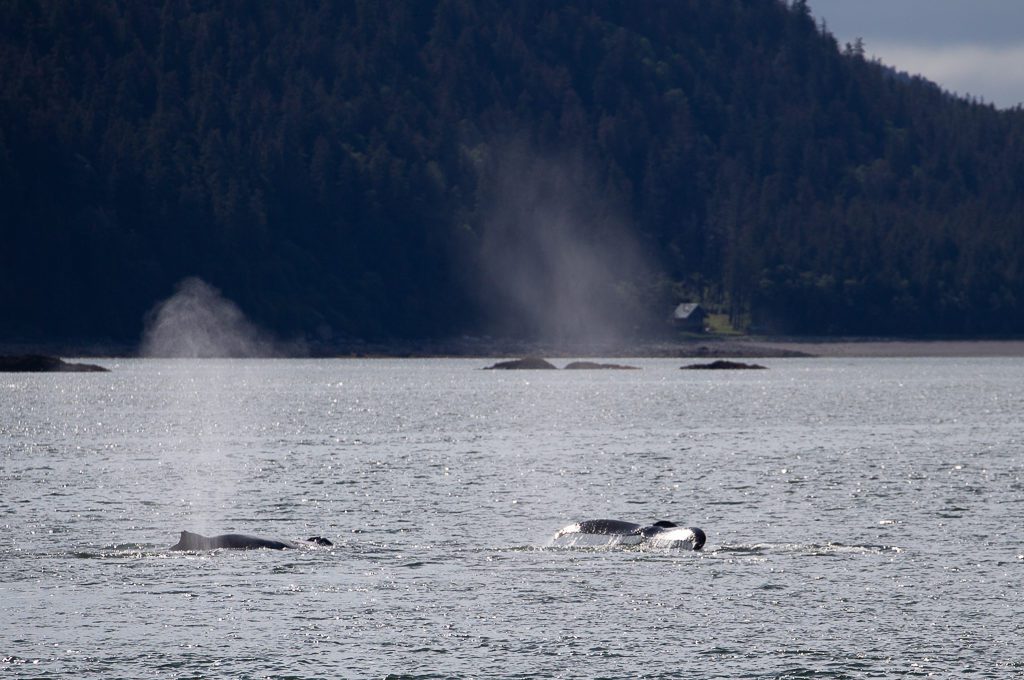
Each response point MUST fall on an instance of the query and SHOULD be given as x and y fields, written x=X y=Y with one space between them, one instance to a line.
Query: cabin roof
x=686 y=309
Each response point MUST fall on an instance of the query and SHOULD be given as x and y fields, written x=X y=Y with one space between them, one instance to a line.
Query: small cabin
x=689 y=316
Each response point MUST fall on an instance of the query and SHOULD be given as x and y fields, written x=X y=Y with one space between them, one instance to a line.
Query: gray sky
x=966 y=46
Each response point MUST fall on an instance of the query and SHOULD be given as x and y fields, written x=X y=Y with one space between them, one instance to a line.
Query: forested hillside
x=383 y=169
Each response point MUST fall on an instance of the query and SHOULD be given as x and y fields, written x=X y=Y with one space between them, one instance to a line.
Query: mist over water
x=559 y=262
x=198 y=322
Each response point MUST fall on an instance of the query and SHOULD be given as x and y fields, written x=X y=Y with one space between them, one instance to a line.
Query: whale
x=191 y=541
x=661 y=533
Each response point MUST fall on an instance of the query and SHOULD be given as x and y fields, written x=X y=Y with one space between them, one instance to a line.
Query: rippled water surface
x=864 y=518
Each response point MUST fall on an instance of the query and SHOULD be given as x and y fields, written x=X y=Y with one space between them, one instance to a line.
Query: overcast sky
x=966 y=46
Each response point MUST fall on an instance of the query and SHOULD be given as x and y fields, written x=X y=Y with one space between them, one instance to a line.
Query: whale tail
x=656 y=528
x=662 y=532
x=319 y=540
x=675 y=536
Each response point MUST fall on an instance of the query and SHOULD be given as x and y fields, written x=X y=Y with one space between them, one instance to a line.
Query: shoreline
x=710 y=347
x=897 y=348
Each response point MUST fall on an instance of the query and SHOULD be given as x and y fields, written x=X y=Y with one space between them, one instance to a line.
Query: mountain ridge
x=347 y=170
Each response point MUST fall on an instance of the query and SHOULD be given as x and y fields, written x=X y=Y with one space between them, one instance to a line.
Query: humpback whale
x=661 y=532
x=191 y=541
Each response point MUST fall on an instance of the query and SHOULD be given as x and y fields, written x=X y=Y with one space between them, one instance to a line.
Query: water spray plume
x=558 y=262
x=198 y=322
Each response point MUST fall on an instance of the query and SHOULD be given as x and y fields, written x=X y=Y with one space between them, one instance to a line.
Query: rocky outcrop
x=595 y=366
x=722 y=364
x=38 y=363
x=526 y=363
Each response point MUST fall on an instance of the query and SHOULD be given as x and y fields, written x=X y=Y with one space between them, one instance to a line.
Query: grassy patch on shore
x=718 y=324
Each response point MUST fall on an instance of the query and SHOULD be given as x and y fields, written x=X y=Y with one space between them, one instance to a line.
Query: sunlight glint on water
x=862 y=518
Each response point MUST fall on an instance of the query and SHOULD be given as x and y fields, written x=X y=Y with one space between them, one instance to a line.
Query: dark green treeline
x=331 y=165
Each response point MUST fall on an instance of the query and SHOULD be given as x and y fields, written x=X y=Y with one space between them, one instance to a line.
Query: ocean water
x=864 y=519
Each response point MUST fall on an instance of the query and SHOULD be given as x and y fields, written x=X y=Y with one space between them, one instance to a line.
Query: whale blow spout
x=191 y=541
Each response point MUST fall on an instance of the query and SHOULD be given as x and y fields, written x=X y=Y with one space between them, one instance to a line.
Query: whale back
x=192 y=541
x=243 y=542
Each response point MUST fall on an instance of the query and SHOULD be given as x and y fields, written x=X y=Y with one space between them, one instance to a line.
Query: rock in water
x=595 y=366
x=37 y=363
x=722 y=364
x=526 y=363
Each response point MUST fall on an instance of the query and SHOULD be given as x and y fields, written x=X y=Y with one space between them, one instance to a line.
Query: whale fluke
x=612 y=527
x=699 y=538
x=661 y=531
x=319 y=540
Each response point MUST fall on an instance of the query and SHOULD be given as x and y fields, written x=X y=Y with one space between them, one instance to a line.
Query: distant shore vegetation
x=400 y=170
